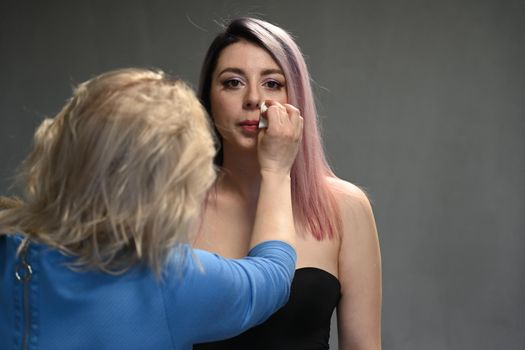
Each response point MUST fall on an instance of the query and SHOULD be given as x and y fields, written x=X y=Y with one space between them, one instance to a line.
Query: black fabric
x=302 y=324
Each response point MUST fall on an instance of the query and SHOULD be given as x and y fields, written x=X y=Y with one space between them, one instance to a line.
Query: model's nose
x=252 y=99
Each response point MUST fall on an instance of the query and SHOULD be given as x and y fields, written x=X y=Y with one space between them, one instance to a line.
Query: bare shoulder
x=359 y=309
x=345 y=190
x=353 y=202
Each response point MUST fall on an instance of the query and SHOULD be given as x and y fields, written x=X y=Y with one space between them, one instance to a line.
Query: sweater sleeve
x=217 y=298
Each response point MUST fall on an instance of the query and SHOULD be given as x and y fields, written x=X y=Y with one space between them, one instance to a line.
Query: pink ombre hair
x=314 y=204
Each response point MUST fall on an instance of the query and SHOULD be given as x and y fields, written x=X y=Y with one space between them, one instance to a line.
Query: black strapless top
x=302 y=324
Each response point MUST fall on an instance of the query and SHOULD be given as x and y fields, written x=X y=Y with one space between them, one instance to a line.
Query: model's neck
x=241 y=174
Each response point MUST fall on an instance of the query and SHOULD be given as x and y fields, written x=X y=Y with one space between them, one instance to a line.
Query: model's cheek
x=218 y=123
x=284 y=96
x=223 y=107
x=219 y=118
x=216 y=109
x=280 y=96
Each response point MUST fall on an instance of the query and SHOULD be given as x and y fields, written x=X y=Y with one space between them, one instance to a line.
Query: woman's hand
x=278 y=143
x=276 y=149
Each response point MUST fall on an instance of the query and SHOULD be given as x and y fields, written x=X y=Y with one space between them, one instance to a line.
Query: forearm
x=245 y=292
x=274 y=214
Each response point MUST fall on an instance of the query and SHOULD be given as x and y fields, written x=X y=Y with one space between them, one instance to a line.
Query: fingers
x=296 y=119
x=277 y=116
x=278 y=144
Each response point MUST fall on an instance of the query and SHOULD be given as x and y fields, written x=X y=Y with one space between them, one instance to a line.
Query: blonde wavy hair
x=118 y=177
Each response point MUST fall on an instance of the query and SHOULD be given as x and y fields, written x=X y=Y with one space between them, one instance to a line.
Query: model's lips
x=249 y=123
x=250 y=127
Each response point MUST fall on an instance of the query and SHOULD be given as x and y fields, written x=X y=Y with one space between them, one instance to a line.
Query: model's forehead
x=246 y=55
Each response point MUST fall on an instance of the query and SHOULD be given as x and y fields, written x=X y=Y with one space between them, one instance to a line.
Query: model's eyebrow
x=231 y=70
x=241 y=72
x=272 y=71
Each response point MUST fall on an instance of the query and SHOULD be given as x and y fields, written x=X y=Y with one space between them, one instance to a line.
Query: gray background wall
x=422 y=103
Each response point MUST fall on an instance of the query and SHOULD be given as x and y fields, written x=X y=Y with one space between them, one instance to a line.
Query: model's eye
x=232 y=83
x=274 y=85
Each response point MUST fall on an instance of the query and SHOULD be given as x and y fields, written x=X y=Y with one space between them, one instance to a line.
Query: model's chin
x=241 y=143
x=248 y=143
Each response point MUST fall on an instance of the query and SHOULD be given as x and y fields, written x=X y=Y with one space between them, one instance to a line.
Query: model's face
x=245 y=76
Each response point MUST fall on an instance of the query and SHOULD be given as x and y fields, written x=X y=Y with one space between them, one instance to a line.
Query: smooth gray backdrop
x=422 y=103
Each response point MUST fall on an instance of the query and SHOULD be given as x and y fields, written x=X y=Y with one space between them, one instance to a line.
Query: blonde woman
x=94 y=257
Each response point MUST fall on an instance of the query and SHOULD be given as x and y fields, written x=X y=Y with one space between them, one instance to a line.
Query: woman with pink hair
x=254 y=63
